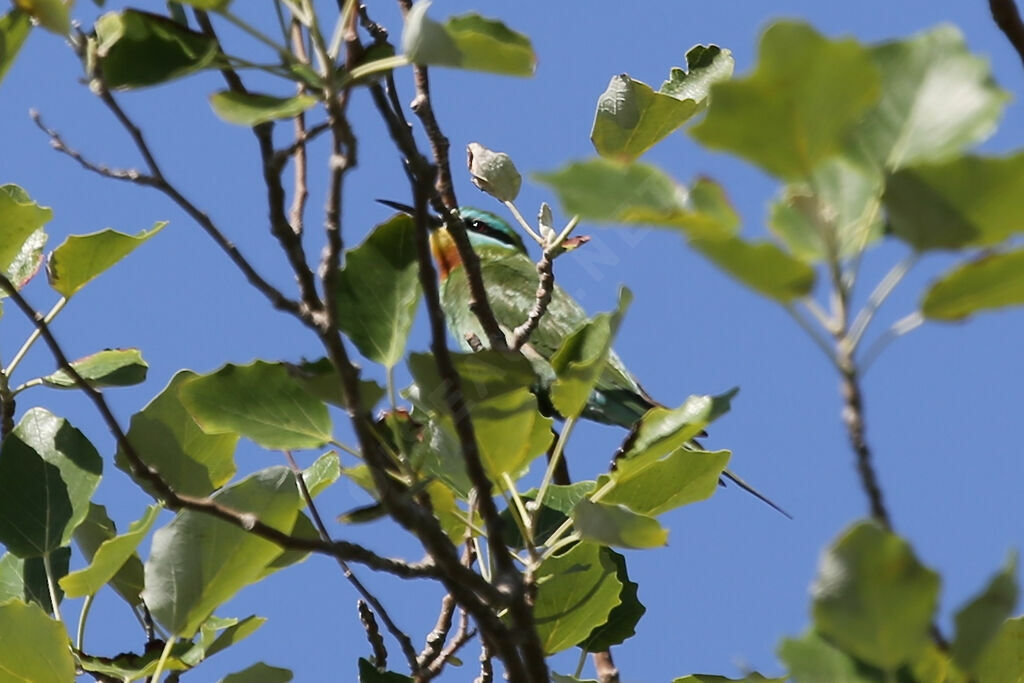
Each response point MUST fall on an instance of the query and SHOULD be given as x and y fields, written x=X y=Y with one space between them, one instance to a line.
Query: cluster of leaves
x=851 y=131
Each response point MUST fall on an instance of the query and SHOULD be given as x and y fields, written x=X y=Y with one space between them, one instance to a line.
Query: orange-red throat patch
x=446 y=254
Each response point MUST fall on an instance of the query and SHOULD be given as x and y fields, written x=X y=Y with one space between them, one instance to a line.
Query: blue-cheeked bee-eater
x=511 y=279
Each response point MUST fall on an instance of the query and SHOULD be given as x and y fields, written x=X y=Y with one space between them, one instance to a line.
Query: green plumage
x=511 y=280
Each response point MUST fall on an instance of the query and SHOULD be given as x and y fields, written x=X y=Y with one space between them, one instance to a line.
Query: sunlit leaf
x=1001 y=660
x=493 y=172
x=109 y=558
x=167 y=438
x=467 y=42
x=378 y=290
x=798 y=106
x=631 y=118
x=48 y=472
x=81 y=258
x=937 y=99
x=839 y=206
x=91 y=534
x=991 y=282
x=582 y=358
x=26 y=263
x=198 y=562
x=705 y=66
x=20 y=217
x=662 y=430
x=321 y=380
x=252 y=109
x=137 y=49
x=968 y=201
x=653 y=485
x=259 y=673
x=33 y=647
x=130 y=666
x=109 y=368
x=261 y=401
x=53 y=15
x=14 y=29
x=873 y=598
x=576 y=592
x=979 y=621
x=761 y=266
x=617 y=525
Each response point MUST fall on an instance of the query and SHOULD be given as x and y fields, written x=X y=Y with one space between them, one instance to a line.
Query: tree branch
x=1007 y=18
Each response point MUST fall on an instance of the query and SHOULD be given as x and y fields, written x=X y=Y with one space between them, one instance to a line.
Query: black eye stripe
x=484 y=229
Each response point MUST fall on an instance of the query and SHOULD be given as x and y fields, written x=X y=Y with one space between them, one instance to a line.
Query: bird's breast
x=446 y=254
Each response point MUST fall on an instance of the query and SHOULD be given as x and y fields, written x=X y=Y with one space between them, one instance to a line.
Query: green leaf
x=576 y=593
x=512 y=413
x=21 y=217
x=611 y=192
x=91 y=534
x=167 y=438
x=137 y=49
x=26 y=263
x=81 y=258
x=932 y=665
x=14 y=29
x=582 y=358
x=48 y=472
x=53 y=15
x=129 y=666
x=710 y=678
x=653 y=485
x=554 y=511
x=108 y=368
x=322 y=380
x=378 y=290
x=812 y=659
x=25 y=580
x=937 y=99
x=198 y=562
x=33 y=647
x=210 y=5
x=969 y=201
x=109 y=558
x=706 y=64
x=991 y=282
x=261 y=401
x=979 y=621
x=631 y=118
x=466 y=42
x=252 y=109
x=324 y=471
x=485 y=375
x=663 y=430
x=840 y=205
x=617 y=525
x=259 y=673
x=622 y=620
x=873 y=598
x=218 y=634
x=797 y=107
x=761 y=266
x=1001 y=660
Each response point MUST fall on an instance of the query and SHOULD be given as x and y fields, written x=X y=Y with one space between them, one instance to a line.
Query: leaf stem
x=163 y=658
x=82 y=617
x=522 y=221
x=51 y=585
x=522 y=517
x=48 y=318
x=549 y=473
x=881 y=292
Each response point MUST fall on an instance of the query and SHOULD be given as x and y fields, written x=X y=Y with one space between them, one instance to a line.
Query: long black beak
x=435 y=221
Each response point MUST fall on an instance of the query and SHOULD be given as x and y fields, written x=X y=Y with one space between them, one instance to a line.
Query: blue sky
x=943 y=404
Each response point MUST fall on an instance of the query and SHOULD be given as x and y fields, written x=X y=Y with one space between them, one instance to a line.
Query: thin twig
x=380 y=653
x=179 y=501
x=300 y=191
x=545 y=291
x=878 y=296
x=399 y=635
x=1007 y=18
x=156 y=180
x=462 y=636
x=486 y=670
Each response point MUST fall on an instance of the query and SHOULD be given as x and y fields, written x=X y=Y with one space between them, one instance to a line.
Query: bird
x=511 y=278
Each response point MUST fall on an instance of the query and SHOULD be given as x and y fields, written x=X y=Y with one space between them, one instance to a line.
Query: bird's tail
x=754 y=492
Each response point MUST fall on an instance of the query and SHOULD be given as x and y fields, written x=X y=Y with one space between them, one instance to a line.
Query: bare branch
x=545 y=290
x=462 y=636
x=380 y=653
x=179 y=501
x=1007 y=18
x=605 y=667
x=486 y=670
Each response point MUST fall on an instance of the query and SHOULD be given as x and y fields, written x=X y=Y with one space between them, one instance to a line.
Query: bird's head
x=484 y=229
